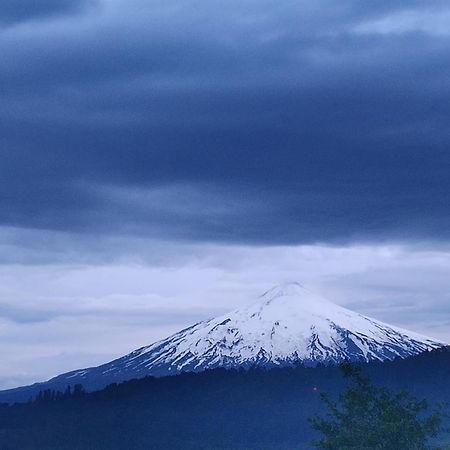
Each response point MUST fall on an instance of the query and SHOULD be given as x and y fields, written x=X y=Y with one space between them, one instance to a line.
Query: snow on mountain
x=287 y=326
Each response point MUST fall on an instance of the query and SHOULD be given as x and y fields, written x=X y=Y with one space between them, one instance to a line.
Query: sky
x=163 y=161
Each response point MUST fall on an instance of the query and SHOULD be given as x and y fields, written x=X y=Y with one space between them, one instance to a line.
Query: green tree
x=370 y=417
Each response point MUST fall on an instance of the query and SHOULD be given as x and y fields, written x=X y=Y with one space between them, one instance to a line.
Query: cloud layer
x=13 y=12
x=324 y=122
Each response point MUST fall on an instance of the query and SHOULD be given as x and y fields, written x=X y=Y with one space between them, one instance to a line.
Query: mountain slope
x=287 y=326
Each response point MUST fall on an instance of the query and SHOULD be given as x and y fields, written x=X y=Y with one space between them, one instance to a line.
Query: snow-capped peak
x=287 y=326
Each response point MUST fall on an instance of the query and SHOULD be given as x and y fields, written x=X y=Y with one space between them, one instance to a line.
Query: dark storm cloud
x=261 y=122
x=14 y=11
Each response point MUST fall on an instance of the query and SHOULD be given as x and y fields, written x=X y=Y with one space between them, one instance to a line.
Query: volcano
x=288 y=326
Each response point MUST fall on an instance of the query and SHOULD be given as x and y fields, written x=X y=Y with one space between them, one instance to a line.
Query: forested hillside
x=212 y=410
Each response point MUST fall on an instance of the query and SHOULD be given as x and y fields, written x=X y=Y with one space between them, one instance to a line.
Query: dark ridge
x=218 y=409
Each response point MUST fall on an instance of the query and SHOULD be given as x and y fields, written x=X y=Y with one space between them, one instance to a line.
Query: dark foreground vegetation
x=369 y=417
x=212 y=410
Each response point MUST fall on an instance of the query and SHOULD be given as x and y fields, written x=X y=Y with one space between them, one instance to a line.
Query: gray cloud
x=15 y=11
x=319 y=127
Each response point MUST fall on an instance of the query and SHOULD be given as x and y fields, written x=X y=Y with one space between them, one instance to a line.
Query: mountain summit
x=287 y=326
